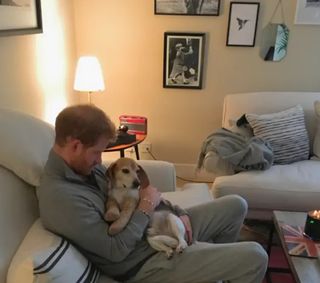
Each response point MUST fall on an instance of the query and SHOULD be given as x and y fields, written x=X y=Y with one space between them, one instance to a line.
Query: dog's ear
x=110 y=173
x=143 y=178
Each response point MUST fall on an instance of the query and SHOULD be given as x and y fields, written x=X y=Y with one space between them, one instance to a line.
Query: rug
x=278 y=259
x=258 y=231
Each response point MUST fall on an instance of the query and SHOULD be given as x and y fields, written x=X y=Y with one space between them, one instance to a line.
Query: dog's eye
x=125 y=171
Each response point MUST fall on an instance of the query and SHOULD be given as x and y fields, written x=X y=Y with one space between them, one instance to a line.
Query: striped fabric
x=286 y=133
x=316 y=141
x=63 y=263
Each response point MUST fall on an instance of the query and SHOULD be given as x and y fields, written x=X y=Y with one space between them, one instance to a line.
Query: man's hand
x=187 y=225
x=149 y=199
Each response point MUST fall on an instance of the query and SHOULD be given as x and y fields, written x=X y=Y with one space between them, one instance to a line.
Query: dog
x=166 y=231
x=123 y=193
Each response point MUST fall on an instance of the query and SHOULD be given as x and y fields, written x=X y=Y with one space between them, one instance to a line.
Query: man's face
x=85 y=158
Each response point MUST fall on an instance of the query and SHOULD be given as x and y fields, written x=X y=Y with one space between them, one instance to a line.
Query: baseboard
x=188 y=171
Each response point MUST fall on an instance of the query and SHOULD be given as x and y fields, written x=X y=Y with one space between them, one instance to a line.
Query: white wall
x=128 y=39
x=37 y=70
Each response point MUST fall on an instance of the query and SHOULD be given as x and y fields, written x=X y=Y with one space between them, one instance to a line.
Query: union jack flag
x=297 y=243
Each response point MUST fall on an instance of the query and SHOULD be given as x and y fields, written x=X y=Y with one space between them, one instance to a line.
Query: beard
x=81 y=167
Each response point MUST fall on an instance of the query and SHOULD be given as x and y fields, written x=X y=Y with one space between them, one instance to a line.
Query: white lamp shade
x=88 y=75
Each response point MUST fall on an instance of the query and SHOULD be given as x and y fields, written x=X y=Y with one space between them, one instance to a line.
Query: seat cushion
x=189 y=195
x=292 y=187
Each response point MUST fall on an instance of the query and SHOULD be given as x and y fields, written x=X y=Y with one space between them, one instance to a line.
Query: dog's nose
x=136 y=183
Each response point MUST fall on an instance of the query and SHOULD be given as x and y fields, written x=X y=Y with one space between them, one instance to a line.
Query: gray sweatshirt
x=73 y=207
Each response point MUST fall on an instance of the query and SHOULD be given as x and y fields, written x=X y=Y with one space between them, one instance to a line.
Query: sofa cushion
x=46 y=257
x=293 y=187
x=316 y=141
x=25 y=144
x=190 y=194
x=286 y=133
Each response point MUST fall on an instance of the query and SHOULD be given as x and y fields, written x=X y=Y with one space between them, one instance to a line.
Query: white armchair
x=25 y=143
x=293 y=186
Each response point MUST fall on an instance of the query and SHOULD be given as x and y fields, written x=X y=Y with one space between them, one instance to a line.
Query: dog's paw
x=169 y=253
x=182 y=245
x=111 y=215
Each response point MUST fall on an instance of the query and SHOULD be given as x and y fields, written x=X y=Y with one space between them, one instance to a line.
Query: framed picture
x=20 y=17
x=243 y=20
x=307 y=12
x=183 y=60
x=187 y=7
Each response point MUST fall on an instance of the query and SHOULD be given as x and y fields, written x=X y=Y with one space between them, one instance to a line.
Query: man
x=193 y=7
x=72 y=199
x=179 y=67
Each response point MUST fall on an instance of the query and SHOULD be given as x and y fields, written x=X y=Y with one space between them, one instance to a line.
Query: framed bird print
x=243 y=20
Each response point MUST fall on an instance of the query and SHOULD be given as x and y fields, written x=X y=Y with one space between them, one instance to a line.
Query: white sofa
x=25 y=143
x=291 y=187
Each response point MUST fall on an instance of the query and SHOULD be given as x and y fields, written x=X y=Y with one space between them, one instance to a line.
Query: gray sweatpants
x=214 y=256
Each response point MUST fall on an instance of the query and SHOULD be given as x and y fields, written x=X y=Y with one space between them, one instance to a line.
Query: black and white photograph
x=243 y=20
x=187 y=7
x=183 y=60
x=307 y=12
x=20 y=17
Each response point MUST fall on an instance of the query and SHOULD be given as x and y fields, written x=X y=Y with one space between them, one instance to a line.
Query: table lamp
x=88 y=76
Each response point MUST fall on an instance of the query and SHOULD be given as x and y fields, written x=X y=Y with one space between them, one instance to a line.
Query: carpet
x=259 y=232
x=278 y=259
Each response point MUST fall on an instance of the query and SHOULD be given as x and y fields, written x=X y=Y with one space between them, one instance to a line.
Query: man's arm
x=79 y=220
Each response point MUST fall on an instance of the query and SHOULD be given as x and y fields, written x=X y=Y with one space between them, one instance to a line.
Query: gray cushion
x=285 y=131
x=316 y=141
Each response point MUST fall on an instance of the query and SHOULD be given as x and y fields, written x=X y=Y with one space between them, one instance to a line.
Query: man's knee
x=255 y=255
x=236 y=204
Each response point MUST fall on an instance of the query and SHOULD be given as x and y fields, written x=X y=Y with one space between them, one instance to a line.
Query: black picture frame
x=242 y=25
x=183 y=60
x=21 y=19
x=187 y=7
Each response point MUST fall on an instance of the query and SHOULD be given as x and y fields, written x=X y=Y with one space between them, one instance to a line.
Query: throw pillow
x=46 y=257
x=285 y=131
x=316 y=141
x=25 y=144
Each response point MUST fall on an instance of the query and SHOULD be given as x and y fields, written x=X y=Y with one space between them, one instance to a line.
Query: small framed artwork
x=187 y=7
x=20 y=17
x=307 y=12
x=243 y=20
x=183 y=60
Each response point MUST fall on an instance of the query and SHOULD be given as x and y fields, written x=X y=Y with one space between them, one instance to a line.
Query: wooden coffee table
x=304 y=270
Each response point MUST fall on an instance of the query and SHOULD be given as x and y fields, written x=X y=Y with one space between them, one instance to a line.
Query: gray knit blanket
x=241 y=152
